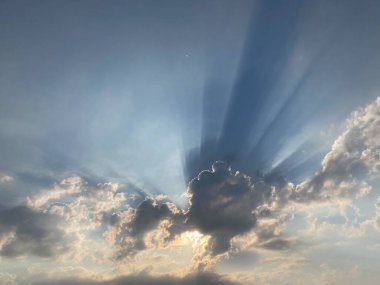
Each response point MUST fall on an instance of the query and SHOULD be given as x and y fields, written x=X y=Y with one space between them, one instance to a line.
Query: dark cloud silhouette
x=30 y=232
x=277 y=244
x=133 y=224
x=203 y=278
x=222 y=205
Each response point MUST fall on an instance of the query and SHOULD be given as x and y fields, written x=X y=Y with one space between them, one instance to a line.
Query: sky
x=182 y=142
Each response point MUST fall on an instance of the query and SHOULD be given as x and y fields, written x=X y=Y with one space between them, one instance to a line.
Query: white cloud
x=353 y=159
x=6 y=178
x=7 y=278
x=68 y=186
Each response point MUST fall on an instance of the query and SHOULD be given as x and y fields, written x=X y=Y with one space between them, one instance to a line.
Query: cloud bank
x=224 y=204
x=228 y=210
x=203 y=278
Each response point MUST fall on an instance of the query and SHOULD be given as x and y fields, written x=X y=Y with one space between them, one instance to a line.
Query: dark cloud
x=30 y=232
x=204 y=278
x=277 y=244
x=222 y=205
x=133 y=227
x=147 y=216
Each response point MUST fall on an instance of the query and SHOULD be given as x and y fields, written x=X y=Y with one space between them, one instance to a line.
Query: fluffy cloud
x=54 y=222
x=230 y=210
x=128 y=228
x=68 y=186
x=355 y=155
x=224 y=205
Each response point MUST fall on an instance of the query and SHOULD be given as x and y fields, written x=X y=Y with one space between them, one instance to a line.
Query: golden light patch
x=194 y=237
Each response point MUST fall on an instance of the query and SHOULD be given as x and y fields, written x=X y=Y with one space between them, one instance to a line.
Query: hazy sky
x=190 y=142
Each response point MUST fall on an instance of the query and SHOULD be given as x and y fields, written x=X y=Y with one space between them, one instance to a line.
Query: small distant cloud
x=6 y=178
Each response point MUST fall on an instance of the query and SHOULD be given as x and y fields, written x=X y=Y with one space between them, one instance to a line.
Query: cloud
x=5 y=178
x=277 y=244
x=224 y=204
x=376 y=219
x=230 y=210
x=68 y=186
x=354 y=156
x=7 y=278
x=132 y=225
x=58 y=221
x=202 y=278
x=25 y=231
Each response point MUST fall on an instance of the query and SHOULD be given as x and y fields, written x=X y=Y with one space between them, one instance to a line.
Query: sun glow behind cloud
x=172 y=143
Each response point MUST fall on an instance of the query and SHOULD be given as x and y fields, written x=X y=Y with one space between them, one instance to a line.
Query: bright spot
x=194 y=237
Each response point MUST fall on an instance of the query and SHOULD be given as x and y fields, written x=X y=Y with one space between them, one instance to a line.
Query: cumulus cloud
x=54 y=222
x=130 y=227
x=354 y=156
x=223 y=207
x=224 y=204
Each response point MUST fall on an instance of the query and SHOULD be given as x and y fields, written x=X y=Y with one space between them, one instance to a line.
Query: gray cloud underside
x=205 y=278
x=27 y=231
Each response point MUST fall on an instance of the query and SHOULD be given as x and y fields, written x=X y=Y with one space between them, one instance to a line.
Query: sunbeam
x=202 y=142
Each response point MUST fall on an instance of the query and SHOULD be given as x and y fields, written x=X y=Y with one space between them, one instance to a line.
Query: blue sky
x=105 y=104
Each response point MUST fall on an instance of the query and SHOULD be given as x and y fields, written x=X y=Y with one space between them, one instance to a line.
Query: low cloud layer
x=203 y=278
x=229 y=210
x=24 y=231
